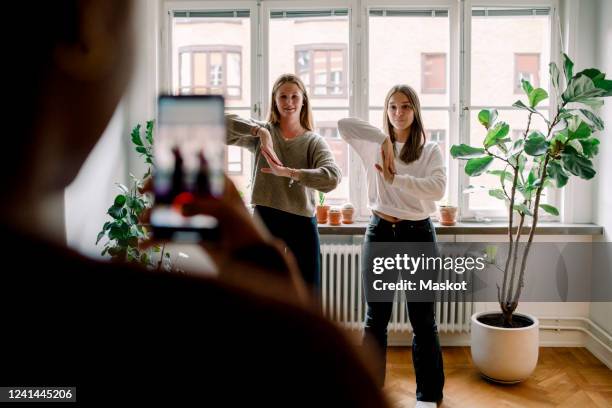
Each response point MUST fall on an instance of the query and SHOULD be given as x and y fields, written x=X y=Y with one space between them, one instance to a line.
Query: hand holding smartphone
x=189 y=155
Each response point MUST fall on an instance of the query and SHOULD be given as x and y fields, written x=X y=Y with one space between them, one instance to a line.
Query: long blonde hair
x=416 y=137
x=305 y=112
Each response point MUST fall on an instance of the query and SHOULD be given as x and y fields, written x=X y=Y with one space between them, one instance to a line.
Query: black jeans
x=426 y=352
x=301 y=236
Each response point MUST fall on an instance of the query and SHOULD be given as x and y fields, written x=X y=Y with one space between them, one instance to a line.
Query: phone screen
x=189 y=153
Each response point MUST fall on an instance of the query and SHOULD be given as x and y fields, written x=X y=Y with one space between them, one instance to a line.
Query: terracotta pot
x=448 y=215
x=347 y=213
x=335 y=216
x=322 y=212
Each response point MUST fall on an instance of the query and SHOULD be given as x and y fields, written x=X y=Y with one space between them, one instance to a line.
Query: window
x=438 y=136
x=433 y=73
x=499 y=69
x=210 y=70
x=210 y=52
x=460 y=59
x=329 y=130
x=323 y=69
x=420 y=62
x=314 y=44
x=527 y=67
x=233 y=160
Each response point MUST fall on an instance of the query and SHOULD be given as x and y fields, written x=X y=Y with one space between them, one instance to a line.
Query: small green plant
x=536 y=159
x=321 y=198
x=125 y=232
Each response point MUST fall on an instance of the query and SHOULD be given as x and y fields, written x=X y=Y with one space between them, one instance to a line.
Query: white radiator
x=344 y=301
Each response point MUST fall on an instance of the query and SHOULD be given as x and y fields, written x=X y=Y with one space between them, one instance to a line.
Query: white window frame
x=458 y=76
x=452 y=80
x=165 y=58
x=466 y=213
x=357 y=183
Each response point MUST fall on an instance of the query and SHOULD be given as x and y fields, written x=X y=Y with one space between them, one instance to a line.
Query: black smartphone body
x=189 y=155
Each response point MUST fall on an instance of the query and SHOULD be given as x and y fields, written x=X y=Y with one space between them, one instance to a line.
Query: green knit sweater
x=308 y=152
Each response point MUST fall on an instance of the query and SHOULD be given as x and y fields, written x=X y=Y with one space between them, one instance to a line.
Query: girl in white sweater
x=405 y=176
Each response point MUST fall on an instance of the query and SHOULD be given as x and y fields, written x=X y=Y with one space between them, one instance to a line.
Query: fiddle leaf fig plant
x=538 y=159
x=125 y=232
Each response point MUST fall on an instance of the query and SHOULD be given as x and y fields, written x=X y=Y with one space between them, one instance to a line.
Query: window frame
x=224 y=50
x=424 y=56
x=227 y=162
x=325 y=47
x=465 y=212
x=517 y=84
x=458 y=75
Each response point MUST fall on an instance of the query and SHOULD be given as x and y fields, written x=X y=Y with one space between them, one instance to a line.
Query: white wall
x=601 y=313
x=92 y=192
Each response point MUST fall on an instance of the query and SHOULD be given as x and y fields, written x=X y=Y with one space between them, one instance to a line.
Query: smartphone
x=189 y=156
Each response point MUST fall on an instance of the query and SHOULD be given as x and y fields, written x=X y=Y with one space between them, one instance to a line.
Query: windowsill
x=475 y=228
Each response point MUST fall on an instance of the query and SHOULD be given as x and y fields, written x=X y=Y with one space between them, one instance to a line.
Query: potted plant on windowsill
x=448 y=214
x=125 y=233
x=322 y=209
x=505 y=344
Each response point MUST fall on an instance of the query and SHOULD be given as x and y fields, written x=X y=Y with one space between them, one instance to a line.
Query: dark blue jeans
x=301 y=236
x=426 y=352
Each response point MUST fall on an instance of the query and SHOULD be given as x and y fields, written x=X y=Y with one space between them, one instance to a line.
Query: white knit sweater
x=415 y=187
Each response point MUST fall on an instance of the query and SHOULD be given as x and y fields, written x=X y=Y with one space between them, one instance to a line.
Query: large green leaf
x=561 y=136
x=556 y=172
x=120 y=200
x=554 y=74
x=136 y=136
x=568 y=68
x=536 y=144
x=581 y=88
x=522 y=208
x=593 y=103
x=574 y=144
x=149 y=132
x=464 y=151
x=519 y=104
x=487 y=117
x=593 y=118
x=590 y=147
x=605 y=85
x=475 y=167
x=549 y=209
x=536 y=96
x=578 y=129
x=599 y=80
x=592 y=73
x=496 y=133
x=527 y=87
x=498 y=193
x=577 y=164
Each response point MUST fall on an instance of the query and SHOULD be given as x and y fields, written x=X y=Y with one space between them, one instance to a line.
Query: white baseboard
x=601 y=353
x=555 y=332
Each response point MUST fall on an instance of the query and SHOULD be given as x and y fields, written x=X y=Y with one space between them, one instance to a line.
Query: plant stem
x=534 y=221
x=161 y=258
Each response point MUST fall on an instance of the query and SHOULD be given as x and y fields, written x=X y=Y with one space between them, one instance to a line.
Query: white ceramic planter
x=505 y=355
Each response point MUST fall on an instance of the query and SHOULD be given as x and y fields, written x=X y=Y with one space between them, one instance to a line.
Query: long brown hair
x=416 y=137
x=305 y=113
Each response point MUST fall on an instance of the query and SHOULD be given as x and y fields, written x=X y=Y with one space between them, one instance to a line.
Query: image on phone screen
x=189 y=153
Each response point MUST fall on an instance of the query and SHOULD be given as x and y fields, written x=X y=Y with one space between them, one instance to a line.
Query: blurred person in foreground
x=116 y=332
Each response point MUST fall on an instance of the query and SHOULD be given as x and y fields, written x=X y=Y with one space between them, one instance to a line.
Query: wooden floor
x=564 y=377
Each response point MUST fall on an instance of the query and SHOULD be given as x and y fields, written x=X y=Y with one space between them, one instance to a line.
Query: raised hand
x=267 y=147
x=388 y=156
